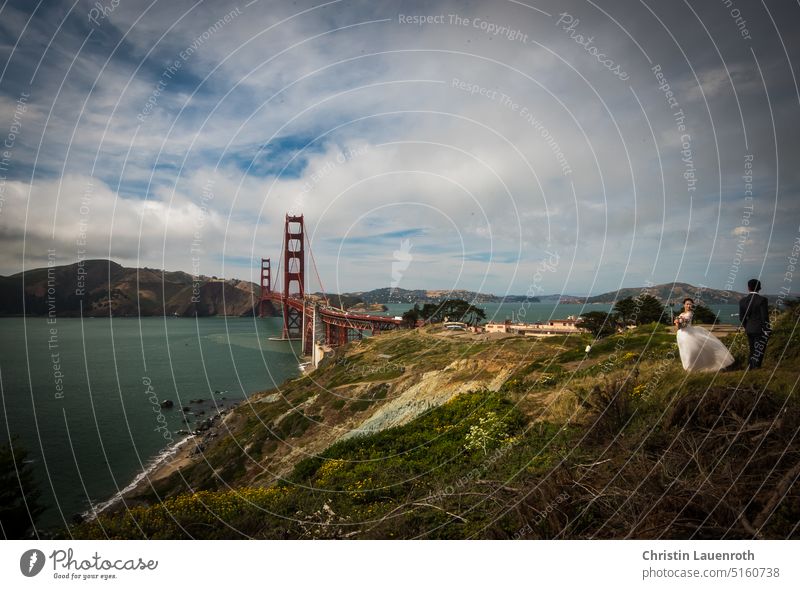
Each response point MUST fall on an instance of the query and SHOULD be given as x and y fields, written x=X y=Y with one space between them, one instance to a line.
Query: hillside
x=102 y=288
x=401 y=295
x=108 y=284
x=435 y=434
x=674 y=292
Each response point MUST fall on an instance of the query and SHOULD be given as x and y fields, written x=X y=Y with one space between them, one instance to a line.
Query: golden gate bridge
x=307 y=318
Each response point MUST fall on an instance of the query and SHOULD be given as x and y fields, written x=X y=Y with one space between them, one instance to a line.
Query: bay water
x=82 y=395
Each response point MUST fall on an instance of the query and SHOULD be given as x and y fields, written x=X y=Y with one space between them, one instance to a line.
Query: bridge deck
x=337 y=316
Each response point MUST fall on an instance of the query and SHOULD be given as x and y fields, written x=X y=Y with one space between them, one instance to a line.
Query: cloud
x=197 y=137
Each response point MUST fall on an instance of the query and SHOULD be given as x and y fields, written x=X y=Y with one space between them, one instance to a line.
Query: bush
x=612 y=402
x=487 y=433
x=738 y=347
x=784 y=342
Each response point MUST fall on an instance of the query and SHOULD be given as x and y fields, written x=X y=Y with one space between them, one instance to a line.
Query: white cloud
x=472 y=173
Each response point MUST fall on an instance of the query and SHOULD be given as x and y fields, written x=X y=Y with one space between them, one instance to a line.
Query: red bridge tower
x=293 y=276
x=265 y=307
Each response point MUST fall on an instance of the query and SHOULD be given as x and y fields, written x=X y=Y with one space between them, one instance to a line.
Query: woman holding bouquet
x=700 y=350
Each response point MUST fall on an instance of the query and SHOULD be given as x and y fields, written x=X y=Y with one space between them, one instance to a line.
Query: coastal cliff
x=436 y=434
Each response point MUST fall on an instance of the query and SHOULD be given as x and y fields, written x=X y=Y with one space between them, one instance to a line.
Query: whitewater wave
x=154 y=463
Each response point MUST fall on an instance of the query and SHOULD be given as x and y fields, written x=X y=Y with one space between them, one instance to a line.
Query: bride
x=700 y=351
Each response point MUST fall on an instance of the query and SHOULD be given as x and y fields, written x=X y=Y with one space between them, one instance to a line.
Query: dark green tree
x=599 y=323
x=453 y=310
x=19 y=497
x=651 y=310
x=429 y=311
x=460 y=310
x=625 y=310
x=411 y=316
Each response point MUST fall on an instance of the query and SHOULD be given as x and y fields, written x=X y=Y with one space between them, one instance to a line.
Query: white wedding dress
x=700 y=350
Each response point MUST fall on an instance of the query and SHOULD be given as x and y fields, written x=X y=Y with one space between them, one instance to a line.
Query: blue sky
x=165 y=131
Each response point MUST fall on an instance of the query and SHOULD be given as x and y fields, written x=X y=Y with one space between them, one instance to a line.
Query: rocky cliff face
x=102 y=288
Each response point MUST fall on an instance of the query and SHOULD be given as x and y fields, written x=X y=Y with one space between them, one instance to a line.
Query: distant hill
x=104 y=288
x=673 y=292
x=402 y=295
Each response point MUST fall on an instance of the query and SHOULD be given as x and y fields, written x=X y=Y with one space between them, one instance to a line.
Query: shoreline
x=155 y=464
x=164 y=464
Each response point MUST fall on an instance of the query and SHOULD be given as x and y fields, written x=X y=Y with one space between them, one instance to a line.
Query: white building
x=538 y=329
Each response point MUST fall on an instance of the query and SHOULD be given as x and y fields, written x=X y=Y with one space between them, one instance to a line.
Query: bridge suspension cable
x=278 y=274
x=316 y=272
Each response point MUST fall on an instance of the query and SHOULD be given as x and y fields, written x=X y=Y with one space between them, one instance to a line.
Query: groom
x=754 y=316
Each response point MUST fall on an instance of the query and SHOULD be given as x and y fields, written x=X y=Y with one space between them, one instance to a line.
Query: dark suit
x=754 y=317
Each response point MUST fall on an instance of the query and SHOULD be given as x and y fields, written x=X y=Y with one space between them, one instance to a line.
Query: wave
x=158 y=460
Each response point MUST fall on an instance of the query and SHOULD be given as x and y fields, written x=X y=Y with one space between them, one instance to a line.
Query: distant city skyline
x=547 y=147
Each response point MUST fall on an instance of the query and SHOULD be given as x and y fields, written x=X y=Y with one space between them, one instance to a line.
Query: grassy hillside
x=428 y=434
x=99 y=288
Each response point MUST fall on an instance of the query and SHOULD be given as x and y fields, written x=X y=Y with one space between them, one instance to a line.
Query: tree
x=453 y=310
x=650 y=310
x=429 y=311
x=625 y=310
x=19 y=497
x=599 y=323
x=469 y=314
x=411 y=316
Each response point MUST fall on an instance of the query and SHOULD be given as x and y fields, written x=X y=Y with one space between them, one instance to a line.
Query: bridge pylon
x=265 y=306
x=293 y=275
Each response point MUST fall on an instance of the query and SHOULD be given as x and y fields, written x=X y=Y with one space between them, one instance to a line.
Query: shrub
x=489 y=432
x=738 y=347
x=785 y=339
x=613 y=402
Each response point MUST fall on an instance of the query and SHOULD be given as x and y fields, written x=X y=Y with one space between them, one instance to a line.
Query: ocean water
x=80 y=398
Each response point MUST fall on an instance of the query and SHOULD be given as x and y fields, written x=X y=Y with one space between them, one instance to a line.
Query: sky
x=502 y=146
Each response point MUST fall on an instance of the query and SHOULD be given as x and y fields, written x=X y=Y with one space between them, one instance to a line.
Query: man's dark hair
x=754 y=285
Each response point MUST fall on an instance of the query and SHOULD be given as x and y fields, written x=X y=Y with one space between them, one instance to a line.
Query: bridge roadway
x=338 y=324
